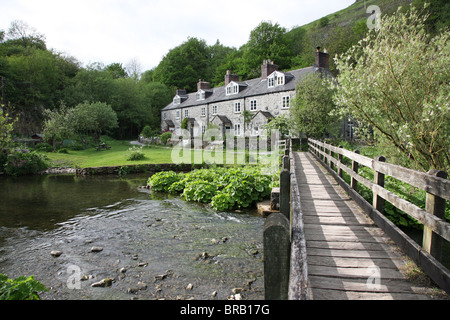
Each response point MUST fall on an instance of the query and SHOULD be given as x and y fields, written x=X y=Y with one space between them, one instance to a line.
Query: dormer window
x=276 y=79
x=177 y=100
x=232 y=88
x=201 y=95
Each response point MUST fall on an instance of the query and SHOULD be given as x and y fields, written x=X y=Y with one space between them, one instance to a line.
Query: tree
x=266 y=41
x=184 y=65
x=94 y=118
x=397 y=80
x=312 y=107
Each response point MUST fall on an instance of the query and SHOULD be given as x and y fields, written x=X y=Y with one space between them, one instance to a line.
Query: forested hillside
x=36 y=78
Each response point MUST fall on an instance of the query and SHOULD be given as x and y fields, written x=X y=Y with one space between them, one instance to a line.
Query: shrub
x=21 y=288
x=43 y=147
x=63 y=150
x=22 y=162
x=165 y=137
x=161 y=181
x=225 y=189
x=135 y=154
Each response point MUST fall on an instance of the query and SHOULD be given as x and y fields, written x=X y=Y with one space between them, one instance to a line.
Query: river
x=152 y=246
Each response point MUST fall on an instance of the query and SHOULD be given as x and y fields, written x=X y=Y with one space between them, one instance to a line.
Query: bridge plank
x=343 y=244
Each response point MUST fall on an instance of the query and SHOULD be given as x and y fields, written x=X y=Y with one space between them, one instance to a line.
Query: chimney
x=181 y=92
x=267 y=68
x=322 y=59
x=203 y=85
x=230 y=77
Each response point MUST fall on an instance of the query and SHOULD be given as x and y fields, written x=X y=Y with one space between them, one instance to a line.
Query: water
x=154 y=245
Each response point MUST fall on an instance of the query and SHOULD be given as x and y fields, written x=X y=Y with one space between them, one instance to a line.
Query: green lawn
x=115 y=156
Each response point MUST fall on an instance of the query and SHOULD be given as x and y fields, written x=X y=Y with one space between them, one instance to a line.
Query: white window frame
x=186 y=113
x=177 y=115
x=214 y=110
x=237 y=129
x=275 y=79
x=286 y=102
x=177 y=100
x=253 y=105
x=237 y=107
x=164 y=115
x=201 y=95
x=232 y=88
x=203 y=112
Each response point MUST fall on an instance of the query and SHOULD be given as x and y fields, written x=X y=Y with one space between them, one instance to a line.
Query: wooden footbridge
x=327 y=242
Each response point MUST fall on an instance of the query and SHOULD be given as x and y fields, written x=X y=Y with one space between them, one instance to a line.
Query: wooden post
x=378 y=202
x=285 y=193
x=277 y=252
x=354 y=182
x=432 y=242
x=340 y=162
x=331 y=162
x=286 y=162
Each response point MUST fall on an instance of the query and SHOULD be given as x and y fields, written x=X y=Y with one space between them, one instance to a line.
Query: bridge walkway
x=348 y=256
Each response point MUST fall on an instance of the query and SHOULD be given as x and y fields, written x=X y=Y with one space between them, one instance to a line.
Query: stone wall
x=138 y=168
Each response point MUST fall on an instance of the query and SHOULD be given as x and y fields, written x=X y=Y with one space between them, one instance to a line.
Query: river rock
x=56 y=253
x=189 y=286
x=96 y=249
x=103 y=283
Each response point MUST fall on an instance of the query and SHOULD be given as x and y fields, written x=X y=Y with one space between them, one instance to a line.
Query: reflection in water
x=150 y=236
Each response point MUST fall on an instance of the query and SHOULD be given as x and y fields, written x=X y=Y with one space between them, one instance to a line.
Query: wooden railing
x=434 y=183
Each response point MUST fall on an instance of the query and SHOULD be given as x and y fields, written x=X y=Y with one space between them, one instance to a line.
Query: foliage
x=135 y=154
x=22 y=162
x=312 y=106
x=6 y=128
x=280 y=123
x=85 y=118
x=224 y=188
x=43 y=147
x=397 y=81
x=147 y=132
x=21 y=288
x=165 y=136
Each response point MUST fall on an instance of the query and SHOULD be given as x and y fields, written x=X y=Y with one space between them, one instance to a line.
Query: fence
x=434 y=183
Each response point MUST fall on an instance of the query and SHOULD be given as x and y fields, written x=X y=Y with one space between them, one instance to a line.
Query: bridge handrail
x=434 y=183
x=431 y=184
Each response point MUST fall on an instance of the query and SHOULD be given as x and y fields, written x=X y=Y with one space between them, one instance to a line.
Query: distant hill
x=336 y=32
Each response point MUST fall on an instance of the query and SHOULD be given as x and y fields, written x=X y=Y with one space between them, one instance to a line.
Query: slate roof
x=252 y=87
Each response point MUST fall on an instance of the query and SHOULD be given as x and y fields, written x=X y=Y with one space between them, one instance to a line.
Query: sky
x=119 y=31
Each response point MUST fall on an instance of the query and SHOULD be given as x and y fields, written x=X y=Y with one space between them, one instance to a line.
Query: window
x=177 y=100
x=201 y=95
x=237 y=107
x=253 y=105
x=275 y=79
x=186 y=113
x=214 y=110
x=237 y=129
x=280 y=81
x=203 y=129
x=203 y=111
x=255 y=131
x=286 y=102
x=164 y=115
x=177 y=115
x=232 y=88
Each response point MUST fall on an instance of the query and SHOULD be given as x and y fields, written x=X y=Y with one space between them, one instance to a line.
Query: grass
x=119 y=152
x=116 y=156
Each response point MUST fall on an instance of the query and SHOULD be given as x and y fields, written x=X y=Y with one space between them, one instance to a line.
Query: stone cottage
x=239 y=107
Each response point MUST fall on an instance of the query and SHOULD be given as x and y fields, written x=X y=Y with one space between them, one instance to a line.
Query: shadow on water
x=153 y=245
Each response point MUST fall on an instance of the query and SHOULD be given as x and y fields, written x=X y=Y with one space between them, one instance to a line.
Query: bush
x=165 y=137
x=225 y=189
x=21 y=288
x=43 y=147
x=22 y=162
x=63 y=150
x=135 y=154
